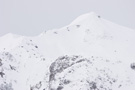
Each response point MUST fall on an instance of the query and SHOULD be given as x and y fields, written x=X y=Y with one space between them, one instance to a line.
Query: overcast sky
x=31 y=17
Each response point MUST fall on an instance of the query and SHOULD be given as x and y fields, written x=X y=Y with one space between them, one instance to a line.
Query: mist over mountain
x=91 y=53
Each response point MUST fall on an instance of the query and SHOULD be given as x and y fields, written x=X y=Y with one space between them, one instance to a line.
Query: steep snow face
x=91 y=53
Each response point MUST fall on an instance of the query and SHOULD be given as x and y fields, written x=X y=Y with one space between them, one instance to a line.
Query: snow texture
x=91 y=53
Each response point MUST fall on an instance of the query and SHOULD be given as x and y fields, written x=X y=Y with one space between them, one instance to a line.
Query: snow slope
x=91 y=53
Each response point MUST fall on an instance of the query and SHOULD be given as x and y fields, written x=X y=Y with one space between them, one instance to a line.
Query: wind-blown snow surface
x=89 y=54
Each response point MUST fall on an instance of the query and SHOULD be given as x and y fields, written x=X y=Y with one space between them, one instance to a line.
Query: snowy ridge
x=89 y=54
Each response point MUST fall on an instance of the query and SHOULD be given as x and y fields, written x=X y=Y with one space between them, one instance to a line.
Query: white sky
x=31 y=17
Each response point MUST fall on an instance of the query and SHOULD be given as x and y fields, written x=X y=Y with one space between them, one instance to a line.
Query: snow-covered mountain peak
x=10 y=35
x=10 y=41
x=85 y=18
x=89 y=54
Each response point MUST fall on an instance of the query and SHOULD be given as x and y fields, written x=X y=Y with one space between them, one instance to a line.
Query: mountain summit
x=85 y=17
x=91 y=53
